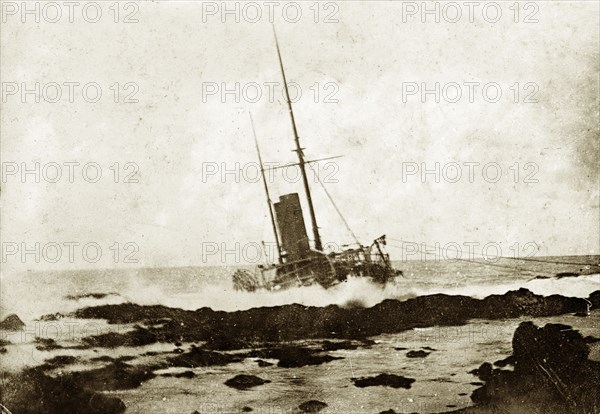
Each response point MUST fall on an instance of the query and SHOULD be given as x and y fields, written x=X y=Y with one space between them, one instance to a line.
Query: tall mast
x=298 y=150
x=269 y=203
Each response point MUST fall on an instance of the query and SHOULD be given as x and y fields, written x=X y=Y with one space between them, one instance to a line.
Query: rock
x=60 y=361
x=33 y=392
x=390 y=411
x=293 y=357
x=12 y=323
x=551 y=369
x=300 y=357
x=312 y=406
x=417 y=354
x=138 y=337
x=185 y=374
x=334 y=346
x=116 y=376
x=595 y=299
x=263 y=364
x=46 y=344
x=197 y=357
x=250 y=328
x=484 y=372
x=388 y=380
x=504 y=362
x=247 y=409
x=566 y=274
x=244 y=382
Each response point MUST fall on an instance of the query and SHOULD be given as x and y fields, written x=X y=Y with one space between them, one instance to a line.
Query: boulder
x=12 y=323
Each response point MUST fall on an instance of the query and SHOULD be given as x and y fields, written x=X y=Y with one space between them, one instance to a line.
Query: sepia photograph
x=288 y=207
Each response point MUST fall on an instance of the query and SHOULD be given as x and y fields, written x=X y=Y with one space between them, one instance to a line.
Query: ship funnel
x=294 y=240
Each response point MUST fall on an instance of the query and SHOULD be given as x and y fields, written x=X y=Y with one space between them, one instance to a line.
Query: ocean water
x=442 y=379
x=32 y=294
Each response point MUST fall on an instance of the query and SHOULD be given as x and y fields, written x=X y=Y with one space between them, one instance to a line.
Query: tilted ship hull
x=302 y=266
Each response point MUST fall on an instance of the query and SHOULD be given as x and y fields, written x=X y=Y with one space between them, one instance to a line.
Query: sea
x=443 y=382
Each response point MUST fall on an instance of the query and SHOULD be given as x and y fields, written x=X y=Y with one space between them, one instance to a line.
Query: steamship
x=297 y=263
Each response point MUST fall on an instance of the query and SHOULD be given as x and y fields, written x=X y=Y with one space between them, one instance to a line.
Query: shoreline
x=285 y=337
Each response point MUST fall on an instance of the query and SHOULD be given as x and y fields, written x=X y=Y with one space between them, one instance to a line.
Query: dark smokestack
x=294 y=240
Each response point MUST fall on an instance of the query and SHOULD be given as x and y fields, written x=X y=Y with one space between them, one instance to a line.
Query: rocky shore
x=551 y=374
x=551 y=367
x=254 y=327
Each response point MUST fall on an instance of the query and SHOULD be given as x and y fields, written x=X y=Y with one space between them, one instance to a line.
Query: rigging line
x=334 y=205
x=529 y=259
x=486 y=264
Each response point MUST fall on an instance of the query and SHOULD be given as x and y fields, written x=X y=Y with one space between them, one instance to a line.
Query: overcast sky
x=365 y=59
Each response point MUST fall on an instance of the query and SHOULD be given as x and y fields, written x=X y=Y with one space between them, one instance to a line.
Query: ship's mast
x=298 y=150
x=269 y=203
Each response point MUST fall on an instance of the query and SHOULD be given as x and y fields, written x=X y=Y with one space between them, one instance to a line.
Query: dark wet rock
x=3 y=350
x=263 y=364
x=566 y=274
x=366 y=342
x=245 y=329
x=501 y=363
x=595 y=299
x=138 y=337
x=244 y=382
x=151 y=353
x=185 y=374
x=484 y=372
x=33 y=392
x=291 y=356
x=551 y=370
x=334 y=346
x=178 y=344
x=116 y=376
x=541 y=277
x=296 y=357
x=462 y=394
x=390 y=411
x=4 y=342
x=12 y=323
x=417 y=354
x=247 y=409
x=400 y=348
x=198 y=357
x=388 y=380
x=60 y=361
x=312 y=406
x=46 y=344
x=51 y=317
x=476 y=383
x=428 y=348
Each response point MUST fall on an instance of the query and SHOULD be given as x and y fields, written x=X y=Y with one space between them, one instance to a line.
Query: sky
x=365 y=59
